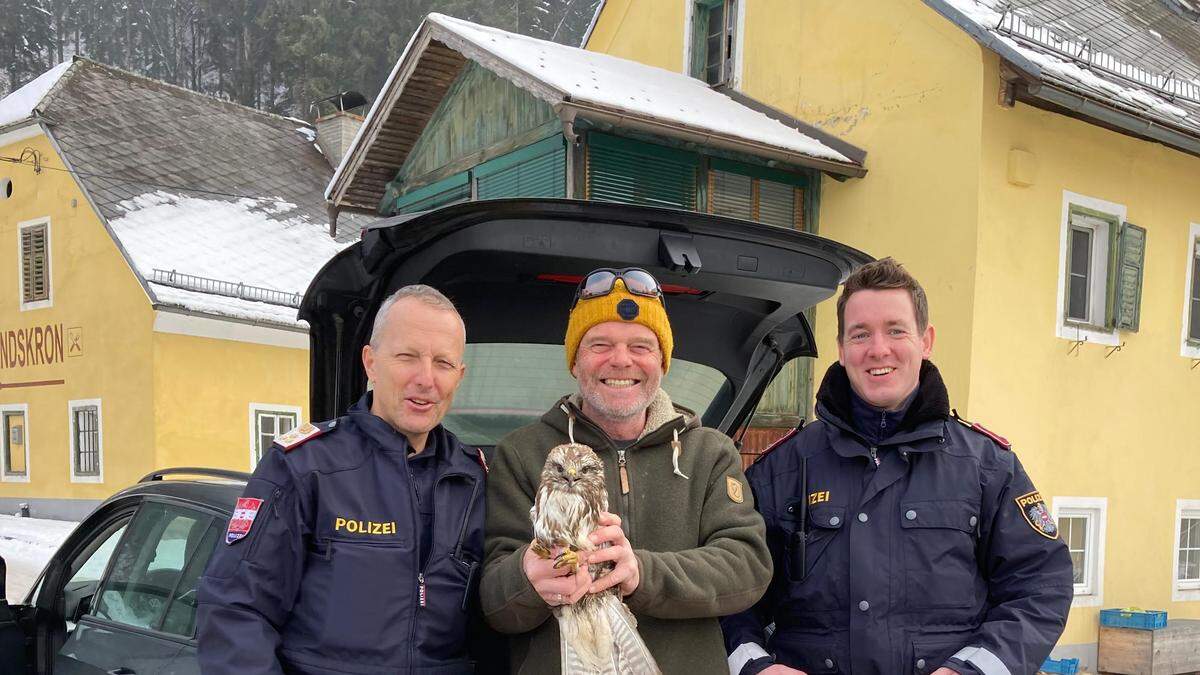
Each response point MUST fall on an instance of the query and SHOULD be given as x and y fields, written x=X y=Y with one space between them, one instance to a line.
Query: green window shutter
x=1127 y=279
x=622 y=170
x=537 y=170
x=452 y=190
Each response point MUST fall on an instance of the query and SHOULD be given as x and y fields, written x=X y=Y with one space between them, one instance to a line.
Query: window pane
x=149 y=563
x=714 y=44
x=14 y=443
x=181 y=614
x=731 y=195
x=87 y=441
x=514 y=384
x=1194 y=324
x=286 y=422
x=1080 y=251
x=266 y=424
x=1192 y=525
x=92 y=568
x=1077 y=567
x=1189 y=568
x=776 y=204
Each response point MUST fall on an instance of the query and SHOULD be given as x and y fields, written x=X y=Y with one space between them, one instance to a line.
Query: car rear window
x=510 y=385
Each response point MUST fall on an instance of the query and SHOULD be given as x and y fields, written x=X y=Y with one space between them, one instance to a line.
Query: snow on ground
x=20 y=104
x=26 y=544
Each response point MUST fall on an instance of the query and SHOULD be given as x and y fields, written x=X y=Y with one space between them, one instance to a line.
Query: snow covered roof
x=21 y=104
x=190 y=184
x=1125 y=57
x=574 y=82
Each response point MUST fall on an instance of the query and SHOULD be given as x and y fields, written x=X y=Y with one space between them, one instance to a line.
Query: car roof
x=213 y=488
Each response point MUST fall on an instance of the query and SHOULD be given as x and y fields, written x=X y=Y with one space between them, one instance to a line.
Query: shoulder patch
x=734 y=487
x=980 y=429
x=294 y=438
x=243 y=517
x=1033 y=508
x=780 y=441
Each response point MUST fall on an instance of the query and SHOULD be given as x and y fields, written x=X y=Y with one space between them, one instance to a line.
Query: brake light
x=574 y=279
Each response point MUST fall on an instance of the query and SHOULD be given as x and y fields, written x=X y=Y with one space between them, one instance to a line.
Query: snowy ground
x=26 y=544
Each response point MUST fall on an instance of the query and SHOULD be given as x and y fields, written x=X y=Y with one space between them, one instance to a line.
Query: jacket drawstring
x=570 y=422
x=676 y=450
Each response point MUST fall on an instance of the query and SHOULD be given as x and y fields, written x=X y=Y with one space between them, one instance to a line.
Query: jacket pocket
x=813 y=573
x=372 y=598
x=940 y=568
x=814 y=656
x=930 y=653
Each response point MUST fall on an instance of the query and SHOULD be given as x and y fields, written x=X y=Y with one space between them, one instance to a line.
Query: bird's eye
x=558 y=467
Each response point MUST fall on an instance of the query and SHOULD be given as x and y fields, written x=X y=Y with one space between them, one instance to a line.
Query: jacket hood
x=931 y=403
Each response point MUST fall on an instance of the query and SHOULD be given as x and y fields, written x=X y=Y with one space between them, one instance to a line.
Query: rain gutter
x=710 y=139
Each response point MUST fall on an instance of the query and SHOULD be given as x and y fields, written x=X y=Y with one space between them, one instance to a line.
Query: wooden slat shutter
x=621 y=170
x=730 y=194
x=778 y=204
x=35 y=270
x=538 y=170
x=1127 y=279
x=456 y=188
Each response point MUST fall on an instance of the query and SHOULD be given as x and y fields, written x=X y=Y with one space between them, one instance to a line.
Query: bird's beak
x=571 y=473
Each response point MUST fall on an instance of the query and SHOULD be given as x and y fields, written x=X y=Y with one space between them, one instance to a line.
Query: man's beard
x=596 y=400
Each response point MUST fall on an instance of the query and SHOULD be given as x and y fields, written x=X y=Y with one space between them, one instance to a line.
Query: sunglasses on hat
x=601 y=282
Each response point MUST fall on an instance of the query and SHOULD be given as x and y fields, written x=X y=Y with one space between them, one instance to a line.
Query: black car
x=119 y=596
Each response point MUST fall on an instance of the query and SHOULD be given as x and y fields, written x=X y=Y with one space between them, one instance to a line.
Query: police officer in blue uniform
x=904 y=539
x=357 y=541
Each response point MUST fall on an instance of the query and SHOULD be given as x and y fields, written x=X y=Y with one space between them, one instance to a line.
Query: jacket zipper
x=462 y=530
x=624 y=473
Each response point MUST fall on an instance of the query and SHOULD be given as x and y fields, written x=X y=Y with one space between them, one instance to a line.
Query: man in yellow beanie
x=686 y=542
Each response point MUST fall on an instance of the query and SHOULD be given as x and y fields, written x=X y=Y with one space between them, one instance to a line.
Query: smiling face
x=415 y=365
x=882 y=348
x=619 y=368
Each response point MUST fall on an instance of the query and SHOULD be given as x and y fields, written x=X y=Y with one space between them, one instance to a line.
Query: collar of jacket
x=925 y=419
x=662 y=418
x=443 y=442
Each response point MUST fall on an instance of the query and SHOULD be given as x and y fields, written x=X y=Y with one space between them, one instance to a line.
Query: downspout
x=574 y=163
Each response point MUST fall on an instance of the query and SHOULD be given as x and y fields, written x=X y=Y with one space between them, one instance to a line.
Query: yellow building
x=158 y=242
x=1035 y=164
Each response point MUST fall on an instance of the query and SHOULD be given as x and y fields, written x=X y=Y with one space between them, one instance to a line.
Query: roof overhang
x=433 y=60
x=19 y=131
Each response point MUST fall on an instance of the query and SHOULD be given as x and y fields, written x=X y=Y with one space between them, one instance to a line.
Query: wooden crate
x=1171 y=650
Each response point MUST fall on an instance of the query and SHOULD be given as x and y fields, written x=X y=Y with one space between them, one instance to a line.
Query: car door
x=142 y=615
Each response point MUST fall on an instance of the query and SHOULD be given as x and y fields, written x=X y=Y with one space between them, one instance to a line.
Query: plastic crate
x=1133 y=618
x=1060 y=666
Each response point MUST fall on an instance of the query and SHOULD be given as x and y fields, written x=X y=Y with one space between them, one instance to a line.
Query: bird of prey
x=598 y=634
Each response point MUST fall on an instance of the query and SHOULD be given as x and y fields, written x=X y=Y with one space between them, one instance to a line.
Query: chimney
x=335 y=133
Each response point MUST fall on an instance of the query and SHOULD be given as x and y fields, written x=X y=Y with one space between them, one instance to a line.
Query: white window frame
x=734 y=81
x=1070 y=330
x=72 y=406
x=1186 y=349
x=1183 y=591
x=49 y=301
x=1095 y=509
x=255 y=410
x=22 y=408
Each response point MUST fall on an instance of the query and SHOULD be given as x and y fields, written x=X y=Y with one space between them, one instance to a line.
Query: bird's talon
x=568 y=558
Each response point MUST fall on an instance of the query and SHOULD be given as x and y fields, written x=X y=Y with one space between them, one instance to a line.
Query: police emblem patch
x=734 y=488
x=1033 y=508
x=242 y=518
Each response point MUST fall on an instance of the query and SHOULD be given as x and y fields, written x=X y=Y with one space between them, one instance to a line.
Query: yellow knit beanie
x=619 y=305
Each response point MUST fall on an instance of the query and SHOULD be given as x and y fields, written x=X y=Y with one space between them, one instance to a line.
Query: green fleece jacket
x=700 y=544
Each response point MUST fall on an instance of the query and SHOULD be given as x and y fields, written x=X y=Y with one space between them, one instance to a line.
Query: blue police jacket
x=928 y=548
x=319 y=570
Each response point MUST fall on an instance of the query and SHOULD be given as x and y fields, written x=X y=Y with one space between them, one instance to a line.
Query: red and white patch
x=243 y=517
